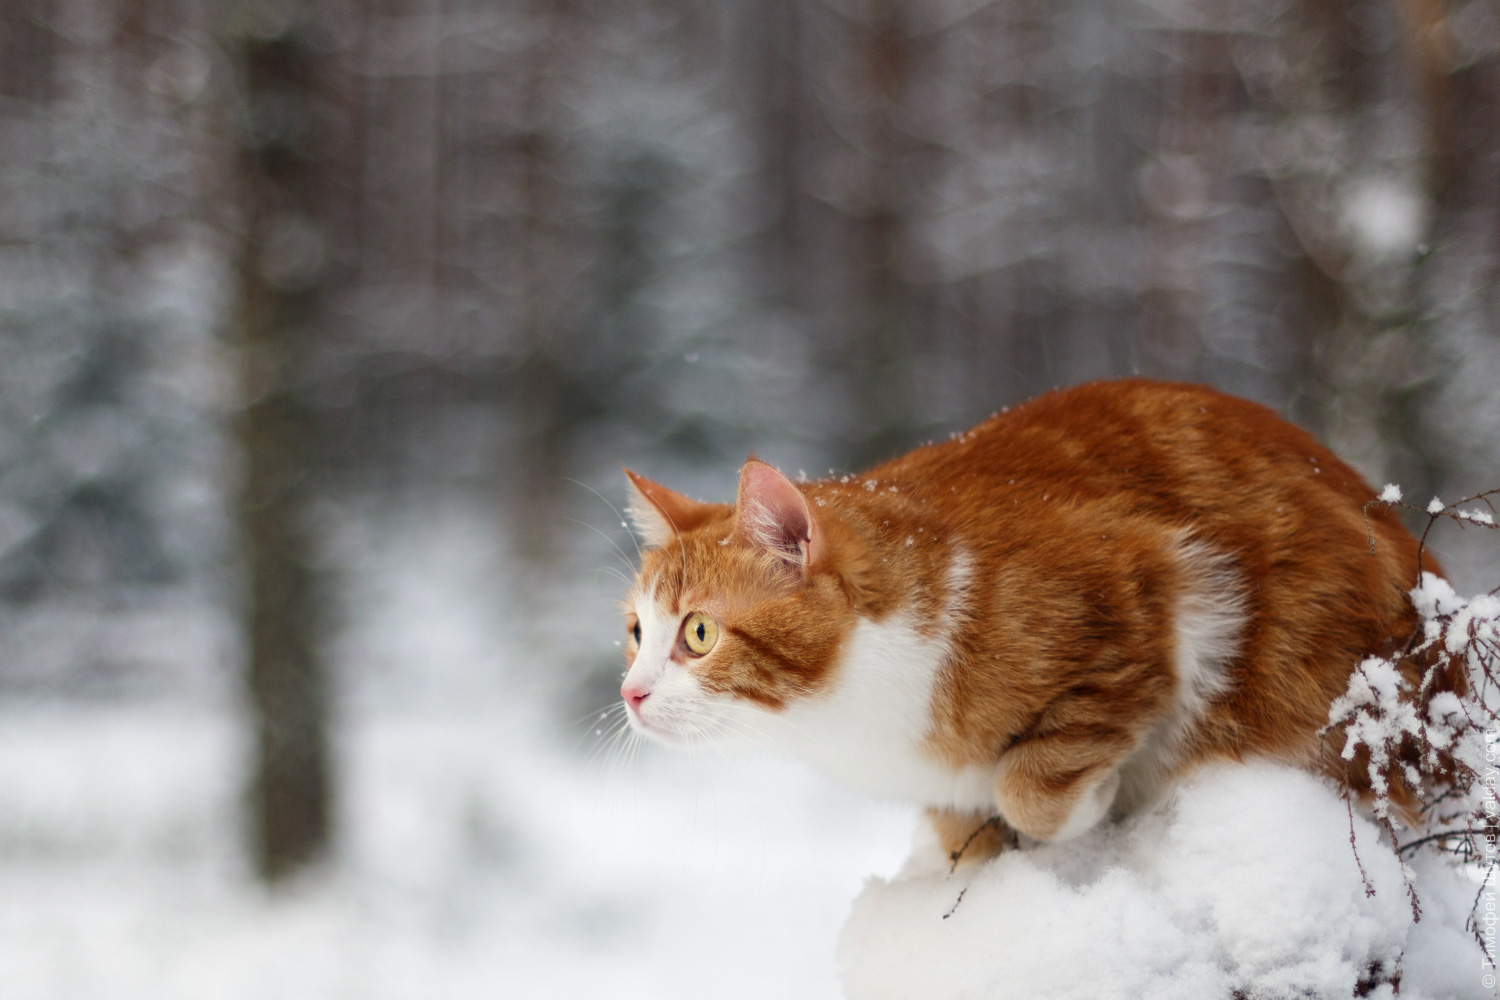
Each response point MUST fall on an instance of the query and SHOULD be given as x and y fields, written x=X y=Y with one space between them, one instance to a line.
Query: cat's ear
x=774 y=515
x=660 y=514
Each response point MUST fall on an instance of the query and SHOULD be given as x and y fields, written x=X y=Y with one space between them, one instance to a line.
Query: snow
x=1385 y=215
x=1244 y=880
x=487 y=846
x=1435 y=596
x=1391 y=493
x=481 y=860
x=1477 y=622
x=477 y=860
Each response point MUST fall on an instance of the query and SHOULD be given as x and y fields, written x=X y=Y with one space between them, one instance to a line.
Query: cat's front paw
x=966 y=839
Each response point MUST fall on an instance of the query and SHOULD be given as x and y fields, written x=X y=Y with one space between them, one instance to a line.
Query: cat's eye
x=700 y=632
x=635 y=632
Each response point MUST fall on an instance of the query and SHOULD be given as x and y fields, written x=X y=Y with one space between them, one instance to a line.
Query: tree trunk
x=291 y=190
x=28 y=50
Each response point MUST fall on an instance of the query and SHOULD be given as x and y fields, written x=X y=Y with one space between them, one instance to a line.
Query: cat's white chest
x=869 y=729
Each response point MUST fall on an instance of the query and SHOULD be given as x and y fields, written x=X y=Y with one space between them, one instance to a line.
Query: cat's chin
x=685 y=734
x=679 y=737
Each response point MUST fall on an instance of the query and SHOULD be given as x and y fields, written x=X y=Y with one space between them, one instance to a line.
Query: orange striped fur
x=1049 y=618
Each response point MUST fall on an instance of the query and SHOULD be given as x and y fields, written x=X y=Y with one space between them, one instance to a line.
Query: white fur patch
x=1092 y=806
x=868 y=730
x=761 y=526
x=649 y=522
x=1210 y=617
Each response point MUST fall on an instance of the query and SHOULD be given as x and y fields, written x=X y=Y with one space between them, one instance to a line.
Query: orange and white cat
x=1048 y=618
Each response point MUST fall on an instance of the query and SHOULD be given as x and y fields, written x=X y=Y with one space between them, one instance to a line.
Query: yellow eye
x=700 y=632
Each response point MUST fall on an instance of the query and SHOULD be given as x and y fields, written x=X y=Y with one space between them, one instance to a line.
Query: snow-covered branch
x=1424 y=749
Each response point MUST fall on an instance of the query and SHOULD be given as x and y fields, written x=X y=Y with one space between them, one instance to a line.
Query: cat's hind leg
x=1058 y=785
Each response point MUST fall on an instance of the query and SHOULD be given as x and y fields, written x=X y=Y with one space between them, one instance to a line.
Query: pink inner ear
x=774 y=515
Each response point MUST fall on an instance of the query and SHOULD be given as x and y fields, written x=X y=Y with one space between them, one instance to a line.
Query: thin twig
x=956 y=856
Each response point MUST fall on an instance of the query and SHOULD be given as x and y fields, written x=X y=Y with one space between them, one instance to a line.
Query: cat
x=1034 y=626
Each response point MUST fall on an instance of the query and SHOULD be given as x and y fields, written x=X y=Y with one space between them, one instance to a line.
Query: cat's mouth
x=636 y=707
x=652 y=717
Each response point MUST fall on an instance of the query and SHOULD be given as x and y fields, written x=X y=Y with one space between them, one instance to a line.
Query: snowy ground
x=488 y=847
x=475 y=863
x=482 y=860
x=1243 y=884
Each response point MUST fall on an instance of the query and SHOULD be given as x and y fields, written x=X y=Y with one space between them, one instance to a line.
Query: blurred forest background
x=325 y=326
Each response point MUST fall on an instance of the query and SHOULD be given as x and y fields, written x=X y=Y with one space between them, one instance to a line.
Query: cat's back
x=1082 y=489
x=1176 y=455
x=1175 y=448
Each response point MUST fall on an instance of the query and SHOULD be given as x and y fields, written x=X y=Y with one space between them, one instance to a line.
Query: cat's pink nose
x=634 y=695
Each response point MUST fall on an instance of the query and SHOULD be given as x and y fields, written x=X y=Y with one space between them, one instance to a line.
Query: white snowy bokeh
x=1385 y=216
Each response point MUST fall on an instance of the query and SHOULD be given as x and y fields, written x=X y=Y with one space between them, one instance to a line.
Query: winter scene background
x=325 y=328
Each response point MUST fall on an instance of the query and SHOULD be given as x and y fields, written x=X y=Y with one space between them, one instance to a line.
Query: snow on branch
x=1427 y=751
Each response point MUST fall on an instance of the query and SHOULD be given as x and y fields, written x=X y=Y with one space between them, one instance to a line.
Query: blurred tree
x=547 y=400
x=882 y=338
x=296 y=104
x=1453 y=407
x=28 y=50
x=1454 y=51
x=1237 y=193
x=106 y=440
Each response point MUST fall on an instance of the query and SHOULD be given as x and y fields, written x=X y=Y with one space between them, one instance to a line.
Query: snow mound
x=1242 y=884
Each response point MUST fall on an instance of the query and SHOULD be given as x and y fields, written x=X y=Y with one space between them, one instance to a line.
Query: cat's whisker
x=742 y=730
x=613 y=510
x=602 y=749
x=633 y=744
x=696 y=733
x=677 y=535
x=610 y=740
x=597 y=714
x=715 y=744
x=623 y=751
x=610 y=746
x=737 y=728
x=599 y=720
x=618 y=575
x=618 y=552
x=817 y=740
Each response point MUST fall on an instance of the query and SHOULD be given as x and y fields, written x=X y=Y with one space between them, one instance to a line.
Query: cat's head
x=737 y=609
